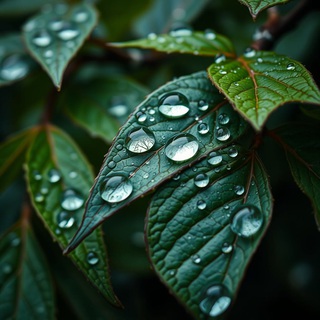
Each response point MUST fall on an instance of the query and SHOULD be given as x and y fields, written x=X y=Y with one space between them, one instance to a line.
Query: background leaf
x=59 y=179
x=26 y=290
x=195 y=244
x=54 y=36
x=21 y=7
x=259 y=82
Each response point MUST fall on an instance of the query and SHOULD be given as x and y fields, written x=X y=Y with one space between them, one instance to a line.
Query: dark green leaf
x=59 y=179
x=54 y=36
x=184 y=41
x=141 y=155
x=194 y=241
x=259 y=82
x=26 y=291
x=302 y=146
x=256 y=6
x=311 y=111
x=100 y=105
x=21 y=7
x=12 y=155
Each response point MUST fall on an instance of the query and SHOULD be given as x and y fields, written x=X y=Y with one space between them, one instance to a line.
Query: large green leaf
x=184 y=41
x=12 y=155
x=175 y=126
x=259 y=82
x=256 y=6
x=302 y=146
x=26 y=291
x=59 y=179
x=203 y=228
x=54 y=36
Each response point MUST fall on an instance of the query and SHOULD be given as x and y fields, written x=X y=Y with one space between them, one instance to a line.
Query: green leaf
x=54 y=36
x=12 y=155
x=21 y=7
x=184 y=41
x=59 y=179
x=311 y=111
x=302 y=146
x=256 y=6
x=259 y=82
x=151 y=147
x=101 y=104
x=201 y=238
x=26 y=290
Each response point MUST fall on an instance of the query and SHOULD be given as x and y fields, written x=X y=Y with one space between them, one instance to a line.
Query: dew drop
x=152 y=36
x=209 y=34
x=239 y=190
x=54 y=175
x=181 y=147
x=214 y=158
x=203 y=105
x=115 y=188
x=41 y=38
x=48 y=54
x=141 y=116
x=80 y=16
x=196 y=259
x=13 y=68
x=201 y=204
x=67 y=32
x=201 y=180
x=222 y=72
x=140 y=140
x=223 y=134
x=15 y=242
x=65 y=220
x=181 y=31
x=233 y=152
x=246 y=221
x=71 y=200
x=176 y=177
x=6 y=268
x=223 y=118
x=249 y=53
x=203 y=128
x=44 y=190
x=174 y=105
x=73 y=174
x=290 y=66
x=56 y=24
x=227 y=247
x=36 y=175
x=92 y=258
x=219 y=58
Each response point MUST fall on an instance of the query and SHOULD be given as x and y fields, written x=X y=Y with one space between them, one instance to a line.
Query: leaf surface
x=193 y=241
x=259 y=82
x=149 y=148
x=59 y=179
x=54 y=36
x=26 y=291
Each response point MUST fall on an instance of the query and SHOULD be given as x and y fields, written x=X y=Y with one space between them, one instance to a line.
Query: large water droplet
x=214 y=158
x=115 y=188
x=80 y=16
x=141 y=116
x=181 y=31
x=41 y=38
x=56 y=24
x=223 y=134
x=68 y=32
x=92 y=258
x=201 y=180
x=247 y=221
x=54 y=175
x=203 y=105
x=203 y=128
x=140 y=140
x=201 y=204
x=233 y=152
x=239 y=190
x=174 y=105
x=290 y=66
x=209 y=34
x=215 y=301
x=181 y=147
x=71 y=200
x=65 y=220
x=223 y=118
x=249 y=53
x=227 y=247
x=13 y=68
x=219 y=58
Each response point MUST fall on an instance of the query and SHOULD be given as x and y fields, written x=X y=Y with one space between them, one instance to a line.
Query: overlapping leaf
x=143 y=154
x=259 y=82
x=26 y=290
x=54 y=36
x=59 y=179
x=302 y=146
x=185 y=41
x=256 y=6
x=195 y=244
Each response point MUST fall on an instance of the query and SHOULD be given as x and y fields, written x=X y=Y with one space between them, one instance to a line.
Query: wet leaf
x=175 y=126
x=302 y=146
x=259 y=82
x=256 y=6
x=54 y=36
x=59 y=179
x=26 y=290
x=100 y=105
x=12 y=155
x=202 y=236
x=184 y=41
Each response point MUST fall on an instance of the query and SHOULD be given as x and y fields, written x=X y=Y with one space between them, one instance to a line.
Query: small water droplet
x=227 y=247
x=92 y=258
x=56 y=24
x=39 y=197
x=291 y=66
x=146 y=175
x=196 y=259
x=115 y=188
x=73 y=174
x=236 y=84
x=203 y=105
x=41 y=38
x=65 y=220
x=238 y=97
x=233 y=152
x=44 y=190
x=260 y=60
x=201 y=204
x=220 y=58
x=201 y=180
x=176 y=177
x=140 y=140
x=249 y=53
x=71 y=200
x=48 y=54
x=152 y=36
x=216 y=301
x=118 y=107
x=111 y=164
x=203 y=128
x=161 y=39
x=223 y=134
x=13 y=67
x=54 y=175
x=181 y=147
x=80 y=16
x=67 y=32
x=222 y=72
x=141 y=116
x=181 y=31
x=209 y=34
x=239 y=190
x=30 y=25
x=172 y=273
x=15 y=242
x=174 y=105
x=6 y=268
x=223 y=118
x=36 y=175
x=214 y=158
x=247 y=221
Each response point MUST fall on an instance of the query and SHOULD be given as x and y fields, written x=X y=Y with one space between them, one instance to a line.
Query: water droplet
x=48 y=54
x=246 y=221
x=209 y=34
x=15 y=241
x=290 y=66
x=146 y=175
x=115 y=188
x=71 y=200
x=141 y=116
x=239 y=190
x=80 y=16
x=249 y=53
x=111 y=164
x=73 y=174
x=215 y=301
x=41 y=38
x=203 y=105
x=36 y=175
x=140 y=140
x=13 y=67
x=214 y=158
x=161 y=39
x=181 y=31
x=174 y=105
x=181 y=147
x=233 y=152
x=201 y=180
x=39 y=197
x=44 y=190
x=118 y=107
x=222 y=72
x=172 y=273
x=196 y=259
x=54 y=175
x=223 y=118
x=30 y=25
x=65 y=220
x=6 y=268
x=92 y=258
x=152 y=36
x=219 y=58
x=176 y=177
x=238 y=97
x=227 y=247
x=260 y=60
x=201 y=204
x=203 y=128
x=223 y=134
x=56 y=24
x=67 y=32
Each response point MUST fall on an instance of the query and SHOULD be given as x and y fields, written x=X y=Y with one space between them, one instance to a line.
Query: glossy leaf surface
x=259 y=82
x=26 y=290
x=149 y=148
x=59 y=179
x=54 y=36
x=194 y=242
